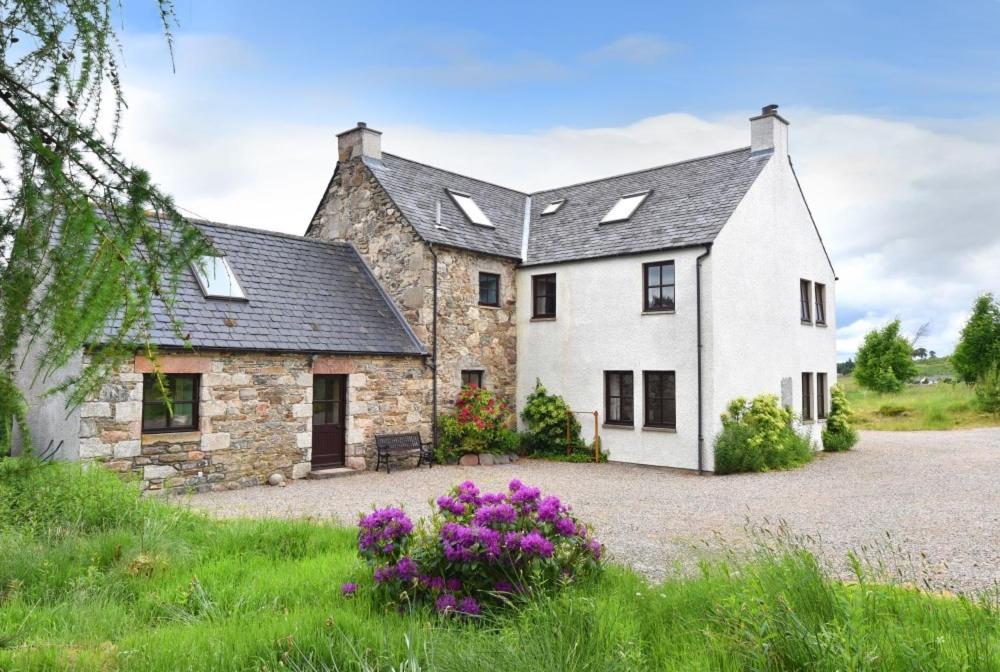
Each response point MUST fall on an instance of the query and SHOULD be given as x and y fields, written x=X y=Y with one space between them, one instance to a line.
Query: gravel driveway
x=936 y=494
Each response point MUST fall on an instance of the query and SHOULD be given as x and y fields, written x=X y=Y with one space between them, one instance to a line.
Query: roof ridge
x=267 y=232
x=642 y=170
x=457 y=174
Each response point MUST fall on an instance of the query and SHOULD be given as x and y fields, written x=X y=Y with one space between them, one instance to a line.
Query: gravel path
x=936 y=494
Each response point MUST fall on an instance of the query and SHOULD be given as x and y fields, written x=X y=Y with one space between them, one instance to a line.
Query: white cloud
x=908 y=210
x=638 y=49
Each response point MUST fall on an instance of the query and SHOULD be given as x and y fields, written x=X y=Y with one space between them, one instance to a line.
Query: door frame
x=343 y=378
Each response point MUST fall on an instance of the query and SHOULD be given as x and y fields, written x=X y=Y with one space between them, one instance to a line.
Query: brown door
x=329 y=427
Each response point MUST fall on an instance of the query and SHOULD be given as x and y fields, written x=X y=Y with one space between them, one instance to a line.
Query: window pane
x=183 y=388
x=470 y=209
x=217 y=278
x=183 y=415
x=154 y=416
x=615 y=385
x=319 y=412
x=624 y=207
x=667 y=274
x=151 y=388
x=653 y=275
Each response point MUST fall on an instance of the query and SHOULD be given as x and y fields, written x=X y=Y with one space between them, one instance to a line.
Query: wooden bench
x=394 y=445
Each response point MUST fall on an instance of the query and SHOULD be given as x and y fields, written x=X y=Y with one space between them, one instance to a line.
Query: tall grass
x=167 y=589
x=917 y=407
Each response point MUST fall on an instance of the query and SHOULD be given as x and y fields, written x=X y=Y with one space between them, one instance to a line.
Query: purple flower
x=503 y=587
x=515 y=485
x=496 y=514
x=512 y=540
x=432 y=582
x=348 y=589
x=453 y=584
x=380 y=530
x=445 y=603
x=534 y=543
x=594 y=547
x=468 y=493
x=384 y=574
x=406 y=568
x=548 y=509
x=493 y=498
x=525 y=497
x=565 y=527
x=469 y=606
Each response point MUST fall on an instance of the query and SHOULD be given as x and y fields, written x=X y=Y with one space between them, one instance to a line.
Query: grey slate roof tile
x=291 y=284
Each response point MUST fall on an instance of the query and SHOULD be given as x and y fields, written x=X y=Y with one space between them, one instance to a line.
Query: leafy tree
x=979 y=345
x=933 y=354
x=86 y=239
x=920 y=353
x=845 y=368
x=884 y=363
x=988 y=389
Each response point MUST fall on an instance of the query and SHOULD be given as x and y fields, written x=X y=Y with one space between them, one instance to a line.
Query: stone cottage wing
x=417 y=190
x=688 y=204
x=303 y=295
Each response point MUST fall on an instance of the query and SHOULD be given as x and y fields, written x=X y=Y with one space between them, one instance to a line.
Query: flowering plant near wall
x=480 y=424
x=477 y=549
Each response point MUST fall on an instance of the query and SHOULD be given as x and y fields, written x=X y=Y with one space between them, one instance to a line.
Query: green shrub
x=885 y=360
x=757 y=435
x=892 y=410
x=480 y=424
x=546 y=415
x=839 y=435
x=988 y=390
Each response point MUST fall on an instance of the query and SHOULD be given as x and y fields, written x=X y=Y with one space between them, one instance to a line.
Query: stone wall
x=470 y=336
x=254 y=417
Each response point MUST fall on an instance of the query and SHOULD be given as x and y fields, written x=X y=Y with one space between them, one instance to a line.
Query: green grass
x=170 y=590
x=916 y=407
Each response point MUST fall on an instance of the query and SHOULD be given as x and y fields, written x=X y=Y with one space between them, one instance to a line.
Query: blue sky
x=895 y=130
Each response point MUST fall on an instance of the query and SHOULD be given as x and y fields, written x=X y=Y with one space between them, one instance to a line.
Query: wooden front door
x=329 y=425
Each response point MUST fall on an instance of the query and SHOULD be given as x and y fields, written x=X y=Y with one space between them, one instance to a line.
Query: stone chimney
x=769 y=132
x=358 y=142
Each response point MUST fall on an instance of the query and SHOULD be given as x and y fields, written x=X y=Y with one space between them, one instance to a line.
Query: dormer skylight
x=553 y=207
x=216 y=278
x=625 y=207
x=469 y=208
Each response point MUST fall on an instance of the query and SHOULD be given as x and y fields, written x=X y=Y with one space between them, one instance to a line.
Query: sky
x=894 y=111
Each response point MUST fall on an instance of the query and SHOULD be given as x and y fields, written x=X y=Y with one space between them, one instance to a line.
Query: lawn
x=917 y=407
x=93 y=578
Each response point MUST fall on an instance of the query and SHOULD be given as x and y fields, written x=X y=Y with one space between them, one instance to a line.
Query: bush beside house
x=480 y=424
x=839 y=435
x=757 y=435
x=546 y=416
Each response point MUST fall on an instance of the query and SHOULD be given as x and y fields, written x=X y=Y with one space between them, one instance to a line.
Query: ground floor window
x=821 y=396
x=659 y=389
x=807 y=383
x=618 y=402
x=172 y=406
x=472 y=378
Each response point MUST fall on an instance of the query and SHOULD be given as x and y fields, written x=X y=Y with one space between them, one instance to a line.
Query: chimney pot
x=769 y=109
x=362 y=124
x=359 y=142
x=769 y=132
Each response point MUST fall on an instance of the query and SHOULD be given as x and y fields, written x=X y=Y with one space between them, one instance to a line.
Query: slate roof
x=304 y=295
x=689 y=203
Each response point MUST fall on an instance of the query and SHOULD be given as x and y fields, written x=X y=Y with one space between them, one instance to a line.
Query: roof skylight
x=553 y=207
x=469 y=208
x=216 y=278
x=625 y=207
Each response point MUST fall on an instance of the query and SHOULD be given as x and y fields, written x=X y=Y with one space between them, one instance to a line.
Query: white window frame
x=237 y=292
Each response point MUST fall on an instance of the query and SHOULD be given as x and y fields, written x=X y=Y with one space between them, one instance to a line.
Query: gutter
x=701 y=421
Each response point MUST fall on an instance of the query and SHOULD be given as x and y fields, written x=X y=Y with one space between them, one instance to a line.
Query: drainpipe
x=701 y=422
x=434 y=351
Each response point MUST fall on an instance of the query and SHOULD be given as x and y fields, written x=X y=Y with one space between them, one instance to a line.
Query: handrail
x=597 y=435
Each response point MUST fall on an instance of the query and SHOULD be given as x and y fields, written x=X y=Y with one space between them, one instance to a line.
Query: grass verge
x=917 y=407
x=167 y=589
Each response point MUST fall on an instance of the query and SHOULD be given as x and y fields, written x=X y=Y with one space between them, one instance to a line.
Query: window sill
x=190 y=436
x=667 y=430
x=821 y=324
x=543 y=319
x=658 y=312
x=489 y=305
x=806 y=323
x=612 y=425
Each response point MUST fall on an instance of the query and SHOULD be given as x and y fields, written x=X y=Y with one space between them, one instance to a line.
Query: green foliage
x=839 y=435
x=480 y=424
x=845 y=368
x=919 y=407
x=884 y=362
x=979 y=345
x=757 y=435
x=546 y=416
x=988 y=389
x=77 y=248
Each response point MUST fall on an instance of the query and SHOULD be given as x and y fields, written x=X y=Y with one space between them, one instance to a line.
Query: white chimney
x=358 y=142
x=769 y=132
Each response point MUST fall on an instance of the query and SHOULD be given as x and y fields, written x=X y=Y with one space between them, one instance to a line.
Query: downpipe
x=701 y=421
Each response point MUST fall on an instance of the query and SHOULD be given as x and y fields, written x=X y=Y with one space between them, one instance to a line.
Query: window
x=216 y=278
x=543 y=292
x=618 y=401
x=807 y=384
x=658 y=286
x=625 y=207
x=820 y=304
x=553 y=207
x=489 y=289
x=821 y=396
x=661 y=399
x=470 y=208
x=805 y=301
x=472 y=378
x=180 y=413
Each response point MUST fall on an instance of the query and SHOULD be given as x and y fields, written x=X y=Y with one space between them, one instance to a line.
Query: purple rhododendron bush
x=477 y=549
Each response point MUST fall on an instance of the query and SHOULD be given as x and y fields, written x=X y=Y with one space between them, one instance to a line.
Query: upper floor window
x=216 y=278
x=820 y=304
x=659 y=389
x=805 y=301
x=658 y=286
x=625 y=207
x=469 y=208
x=489 y=289
x=807 y=384
x=618 y=402
x=471 y=378
x=821 y=395
x=543 y=293
x=172 y=408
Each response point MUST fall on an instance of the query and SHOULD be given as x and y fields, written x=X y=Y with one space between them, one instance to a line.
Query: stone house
x=653 y=297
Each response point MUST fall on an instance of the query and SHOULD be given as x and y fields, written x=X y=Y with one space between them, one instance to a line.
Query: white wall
x=768 y=245
x=600 y=326
x=48 y=417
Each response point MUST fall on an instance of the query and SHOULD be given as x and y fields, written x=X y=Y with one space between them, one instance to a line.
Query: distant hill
x=934 y=366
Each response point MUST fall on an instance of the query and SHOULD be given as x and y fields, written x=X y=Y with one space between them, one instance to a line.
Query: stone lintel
x=174 y=364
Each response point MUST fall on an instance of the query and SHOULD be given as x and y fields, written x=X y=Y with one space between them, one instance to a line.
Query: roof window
x=625 y=207
x=553 y=207
x=216 y=278
x=469 y=208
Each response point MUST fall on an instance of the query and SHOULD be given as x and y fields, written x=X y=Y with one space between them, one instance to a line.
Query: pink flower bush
x=477 y=549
